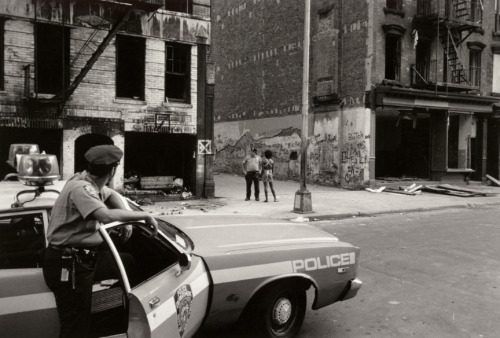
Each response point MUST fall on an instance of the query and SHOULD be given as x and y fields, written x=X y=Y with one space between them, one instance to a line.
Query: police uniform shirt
x=70 y=224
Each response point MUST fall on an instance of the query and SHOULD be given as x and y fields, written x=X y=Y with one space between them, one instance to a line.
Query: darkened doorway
x=84 y=143
x=402 y=147
x=149 y=154
x=48 y=140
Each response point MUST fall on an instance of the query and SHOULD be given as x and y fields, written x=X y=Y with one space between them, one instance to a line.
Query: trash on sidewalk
x=412 y=188
x=375 y=190
x=300 y=219
x=454 y=190
x=493 y=180
x=402 y=192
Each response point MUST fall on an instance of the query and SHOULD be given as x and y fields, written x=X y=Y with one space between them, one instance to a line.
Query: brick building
x=398 y=88
x=135 y=73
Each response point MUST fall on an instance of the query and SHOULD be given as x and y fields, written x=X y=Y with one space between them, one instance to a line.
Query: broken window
x=177 y=75
x=475 y=67
x=52 y=47
x=130 y=67
x=461 y=131
x=392 y=56
x=183 y=6
x=394 y=4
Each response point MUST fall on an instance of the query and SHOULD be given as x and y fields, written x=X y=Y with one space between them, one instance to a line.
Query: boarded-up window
x=130 y=66
x=177 y=72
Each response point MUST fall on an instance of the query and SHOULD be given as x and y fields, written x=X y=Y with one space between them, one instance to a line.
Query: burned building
x=136 y=74
x=398 y=88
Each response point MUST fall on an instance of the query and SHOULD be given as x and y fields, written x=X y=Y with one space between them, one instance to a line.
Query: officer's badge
x=91 y=191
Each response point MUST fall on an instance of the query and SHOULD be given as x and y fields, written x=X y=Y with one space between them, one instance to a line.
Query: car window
x=143 y=257
x=22 y=240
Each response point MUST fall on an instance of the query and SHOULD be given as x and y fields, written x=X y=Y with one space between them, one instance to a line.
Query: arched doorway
x=84 y=143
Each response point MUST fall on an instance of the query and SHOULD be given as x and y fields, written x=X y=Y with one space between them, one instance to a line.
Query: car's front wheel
x=280 y=311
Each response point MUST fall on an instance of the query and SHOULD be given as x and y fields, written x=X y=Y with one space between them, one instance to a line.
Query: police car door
x=27 y=306
x=165 y=299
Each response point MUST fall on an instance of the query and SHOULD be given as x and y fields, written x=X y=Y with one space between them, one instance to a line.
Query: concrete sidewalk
x=327 y=202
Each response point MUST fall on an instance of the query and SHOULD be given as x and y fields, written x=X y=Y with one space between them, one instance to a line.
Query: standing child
x=267 y=173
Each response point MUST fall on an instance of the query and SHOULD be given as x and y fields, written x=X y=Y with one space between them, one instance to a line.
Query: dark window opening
x=183 y=6
x=423 y=57
x=394 y=4
x=22 y=241
x=392 y=57
x=475 y=67
x=177 y=75
x=2 y=55
x=52 y=58
x=130 y=67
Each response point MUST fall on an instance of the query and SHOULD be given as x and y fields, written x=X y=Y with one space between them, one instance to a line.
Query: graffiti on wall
x=354 y=158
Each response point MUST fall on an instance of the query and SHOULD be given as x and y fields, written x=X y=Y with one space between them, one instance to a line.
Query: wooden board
x=157 y=182
x=492 y=179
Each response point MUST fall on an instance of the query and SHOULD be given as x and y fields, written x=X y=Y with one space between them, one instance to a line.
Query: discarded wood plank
x=397 y=191
x=414 y=189
x=157 y=182
x=467 y=190
x=494 y=180
x=436 y=190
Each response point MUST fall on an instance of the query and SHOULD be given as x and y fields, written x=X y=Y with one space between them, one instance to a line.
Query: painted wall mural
x=329 y=161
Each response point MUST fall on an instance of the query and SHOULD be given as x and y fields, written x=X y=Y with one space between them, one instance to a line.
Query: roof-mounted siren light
x=33 y=169
x=15 y=152
x=38 y=169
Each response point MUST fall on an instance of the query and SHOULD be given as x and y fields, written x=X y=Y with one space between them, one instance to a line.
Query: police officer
x=73 y=250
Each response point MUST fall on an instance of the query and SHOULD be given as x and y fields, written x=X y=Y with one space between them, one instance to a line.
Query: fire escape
x=120 y=12
x=452 y=22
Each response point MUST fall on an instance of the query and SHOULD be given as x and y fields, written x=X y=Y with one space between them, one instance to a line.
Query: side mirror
x=184 y=263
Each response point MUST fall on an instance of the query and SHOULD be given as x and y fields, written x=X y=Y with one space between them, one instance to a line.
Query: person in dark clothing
x=74 y=242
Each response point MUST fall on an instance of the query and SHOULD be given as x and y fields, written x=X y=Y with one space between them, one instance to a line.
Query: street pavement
x=327 y=202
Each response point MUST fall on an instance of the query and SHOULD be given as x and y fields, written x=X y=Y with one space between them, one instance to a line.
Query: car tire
x=279 y=311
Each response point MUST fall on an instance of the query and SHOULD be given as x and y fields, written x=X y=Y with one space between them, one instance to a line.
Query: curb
x=388 y=212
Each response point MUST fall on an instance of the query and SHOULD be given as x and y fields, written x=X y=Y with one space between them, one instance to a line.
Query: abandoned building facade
x=398 y=88
x=137 y=74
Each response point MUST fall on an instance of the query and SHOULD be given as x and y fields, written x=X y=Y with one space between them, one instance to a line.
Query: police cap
x=104 y=154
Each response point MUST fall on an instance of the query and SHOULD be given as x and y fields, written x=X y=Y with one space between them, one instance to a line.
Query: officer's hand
x=125 y=232
x=150 y=220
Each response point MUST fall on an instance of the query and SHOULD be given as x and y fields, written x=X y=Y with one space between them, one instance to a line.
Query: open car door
x=166 y=289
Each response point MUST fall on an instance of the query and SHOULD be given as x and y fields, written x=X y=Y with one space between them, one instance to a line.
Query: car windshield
x=171 y=231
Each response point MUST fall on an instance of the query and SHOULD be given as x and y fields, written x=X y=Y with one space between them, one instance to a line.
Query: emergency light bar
x=16 y=150
x=38 y=169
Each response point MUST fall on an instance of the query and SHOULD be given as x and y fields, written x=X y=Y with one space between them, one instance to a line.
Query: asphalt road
x=434 y=274
x=431 y=274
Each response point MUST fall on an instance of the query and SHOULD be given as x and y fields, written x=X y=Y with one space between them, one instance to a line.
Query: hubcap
x=282 y=311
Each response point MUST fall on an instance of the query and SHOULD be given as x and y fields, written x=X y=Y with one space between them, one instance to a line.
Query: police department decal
x=90 y=190
x=183 y=299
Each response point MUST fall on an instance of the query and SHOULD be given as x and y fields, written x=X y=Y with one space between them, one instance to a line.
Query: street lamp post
x=303 y=202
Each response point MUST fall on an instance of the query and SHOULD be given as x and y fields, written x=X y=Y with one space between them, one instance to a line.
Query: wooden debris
x=397 y=191
x=453 y=190
x=375 y=190
x=493 y=180
x=157 y=182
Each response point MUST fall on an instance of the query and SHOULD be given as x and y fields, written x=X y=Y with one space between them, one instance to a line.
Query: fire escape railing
x=460 y=10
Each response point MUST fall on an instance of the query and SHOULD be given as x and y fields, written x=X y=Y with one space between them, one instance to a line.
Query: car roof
x=9 y=190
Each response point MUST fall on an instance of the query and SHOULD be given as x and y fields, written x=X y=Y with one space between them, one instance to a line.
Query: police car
x=199 y=271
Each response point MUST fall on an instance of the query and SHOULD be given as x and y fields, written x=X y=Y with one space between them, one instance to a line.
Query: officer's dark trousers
x=252 y=177
x=73 y=305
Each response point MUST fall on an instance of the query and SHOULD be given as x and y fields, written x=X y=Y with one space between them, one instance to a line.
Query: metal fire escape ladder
x=96 y=54
x=450 y=47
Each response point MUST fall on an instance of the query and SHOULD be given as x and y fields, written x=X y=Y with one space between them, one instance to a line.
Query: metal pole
x=302 y=203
